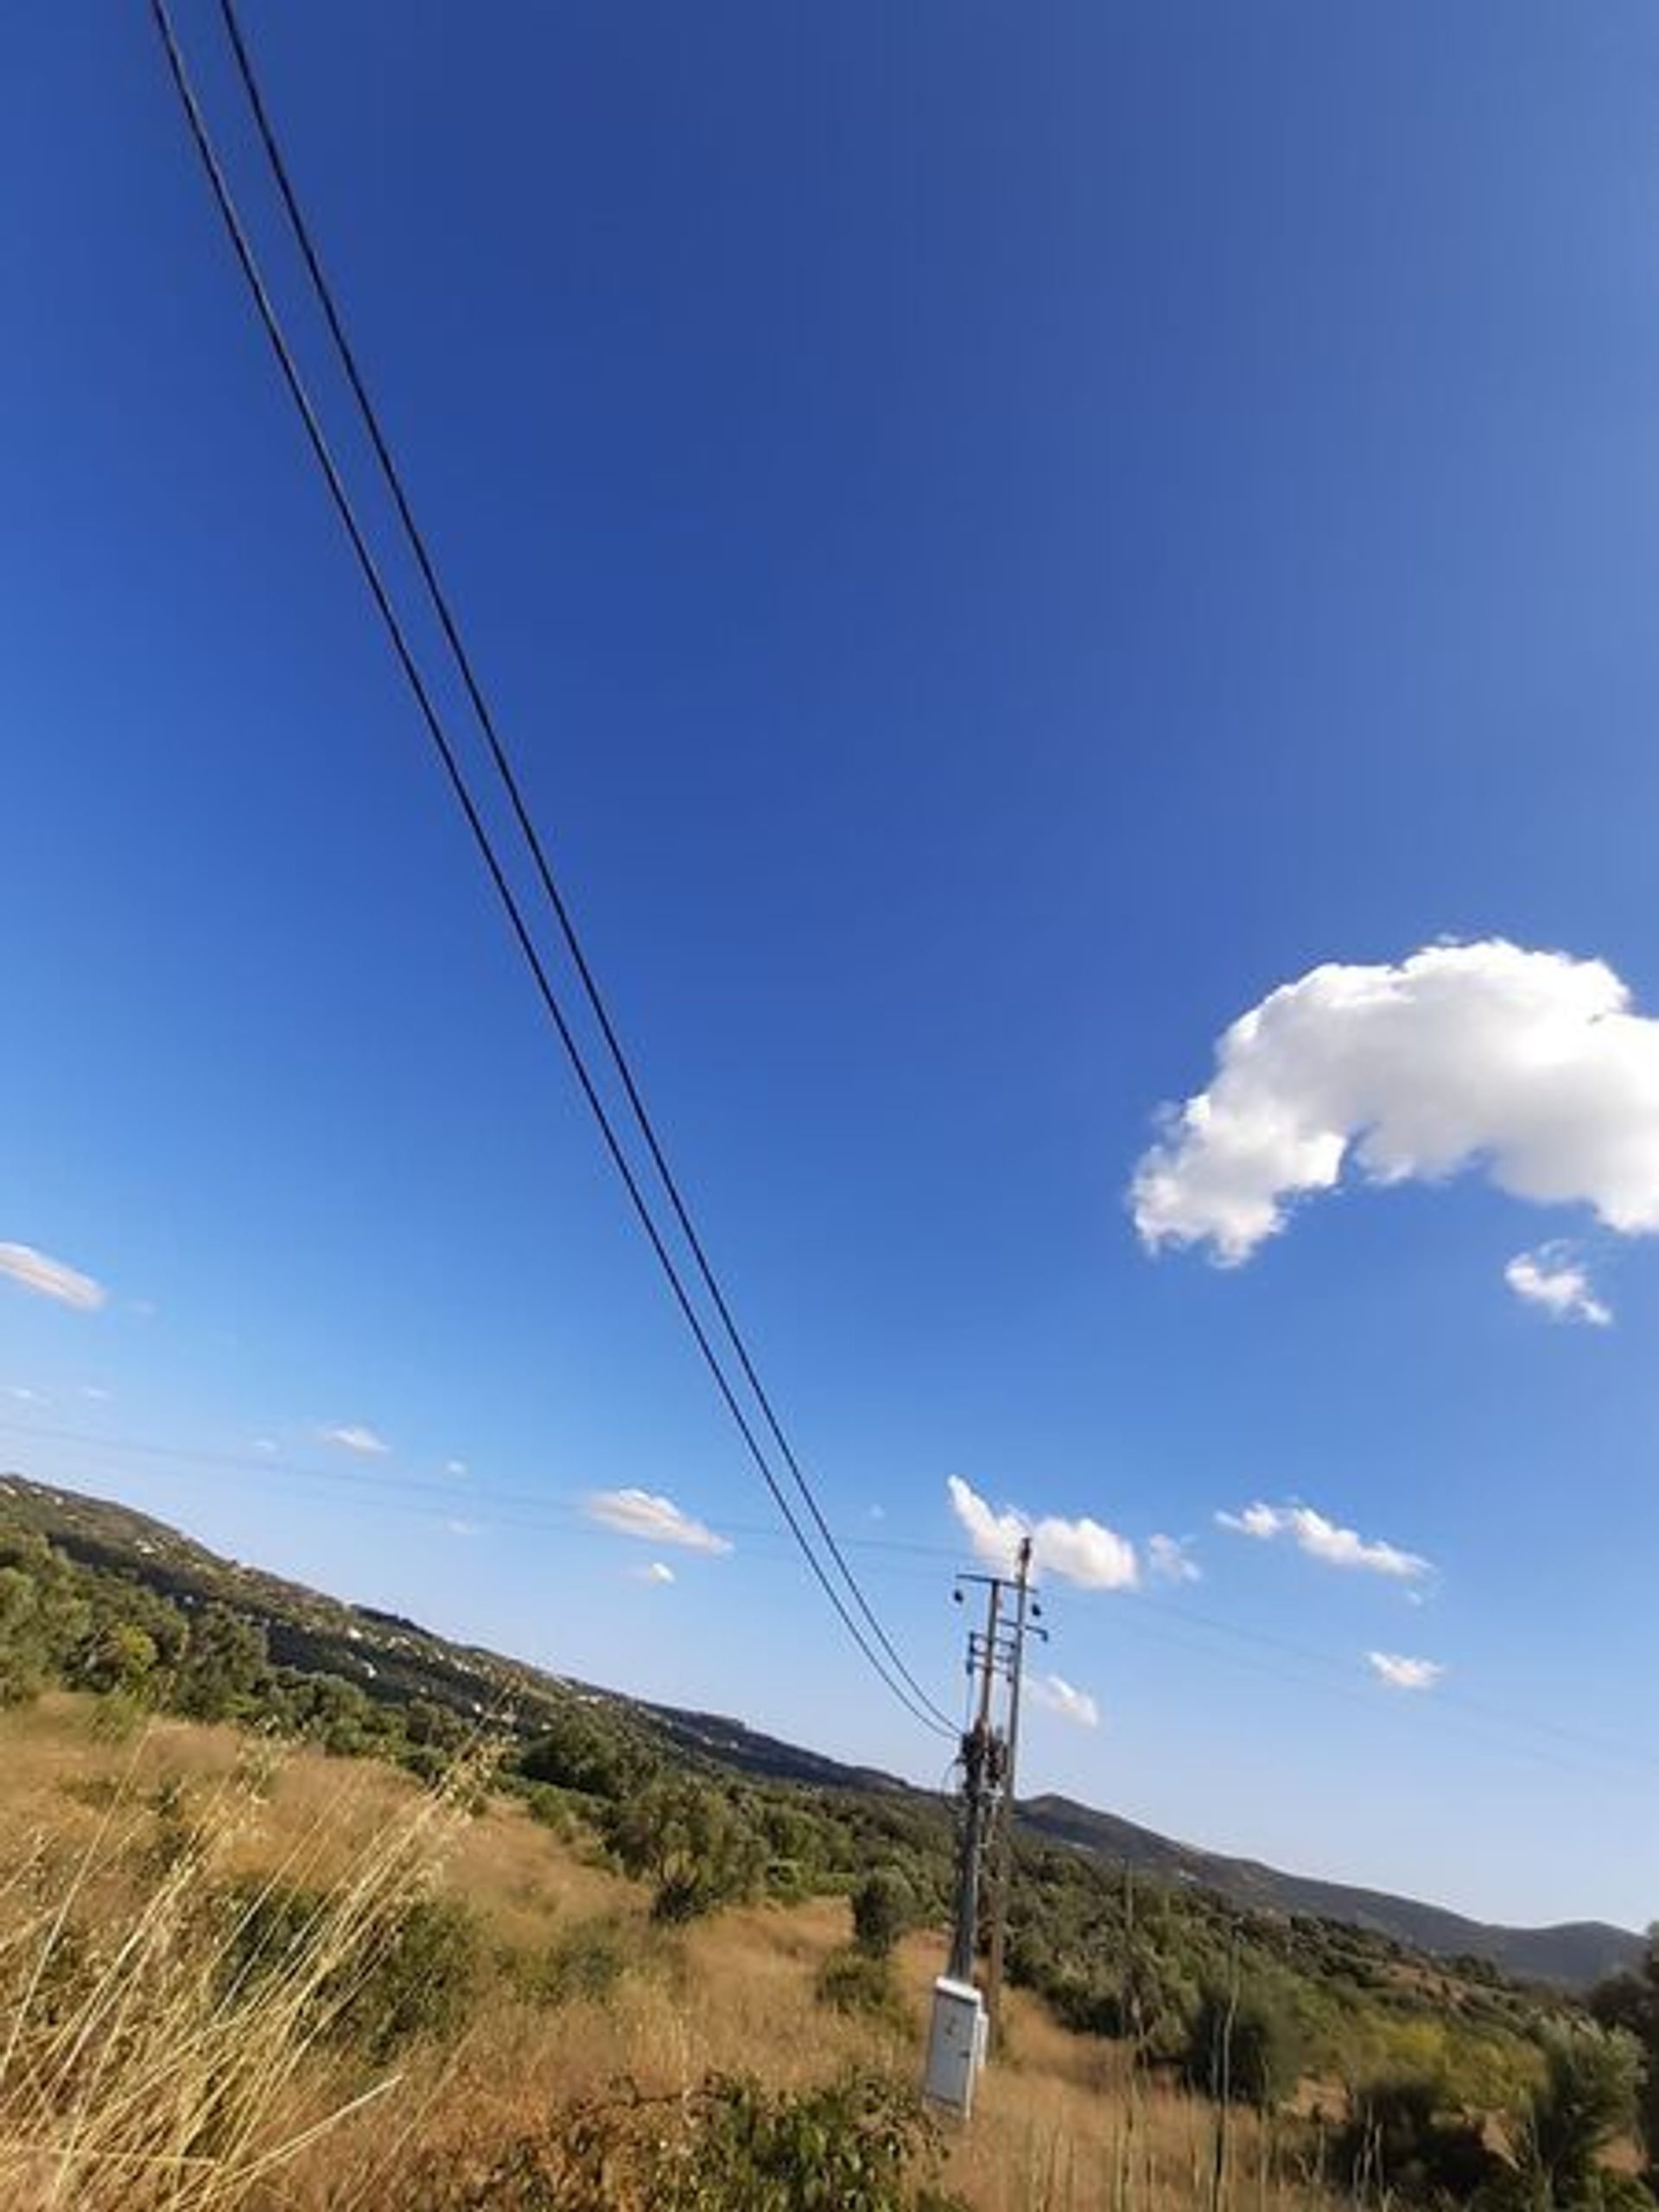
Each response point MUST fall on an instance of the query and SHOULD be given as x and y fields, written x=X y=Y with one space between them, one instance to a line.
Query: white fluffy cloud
x=1170 y=1560
x=1403 y=1674
x=50 y=1278
x=357 y=1436
x=1083 y=1551
x=1055 y=1695
x=1530 y=1064
x=1324 y=1540
x=1552 y=1278
x=657 y=1573
x=652 y=1520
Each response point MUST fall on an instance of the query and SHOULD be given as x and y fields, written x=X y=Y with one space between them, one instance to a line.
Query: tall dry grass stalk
x=150 y=2060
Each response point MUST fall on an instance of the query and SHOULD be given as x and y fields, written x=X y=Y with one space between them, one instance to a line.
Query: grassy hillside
x=567 y=1997
x=397 y=1663
x=682 y=1893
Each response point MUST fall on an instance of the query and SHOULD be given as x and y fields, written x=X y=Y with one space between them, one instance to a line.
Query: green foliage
x=574 y=1750
x=884 y=1906
x=860 y=2144
x=1630 y=2003
x=122 y=1658
x=224 y=1668
x=690 y=1840
x=584 y=1965
x=1587 y=2099
x=44 y=1618
x=328 y=1709
x=1404 y=2140
x=863 y=1982
x=851 y=2145
x=1244 y=2047
x=421 y=1979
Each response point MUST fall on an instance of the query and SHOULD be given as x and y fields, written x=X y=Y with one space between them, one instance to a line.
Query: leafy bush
x=420 y=1979
x=884 y=1906
x=1401 y=2140
x=577 y=1751
x=858 y=1982
x=860 y=2144
x=586 y=1962
x=1244 y=2049
x=225 y=1667
x=43 y=1618
x=1587 y=2101
x=1630 y=2002
x=688 y=1838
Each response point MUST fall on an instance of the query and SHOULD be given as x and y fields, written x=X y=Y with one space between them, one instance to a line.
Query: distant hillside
x=396 y=1662
x=1573 y=1955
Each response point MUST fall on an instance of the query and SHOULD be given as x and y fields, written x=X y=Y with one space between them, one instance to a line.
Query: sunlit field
x=153 y=2058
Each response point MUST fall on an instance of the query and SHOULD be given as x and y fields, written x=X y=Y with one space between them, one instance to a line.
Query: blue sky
x=999 y=540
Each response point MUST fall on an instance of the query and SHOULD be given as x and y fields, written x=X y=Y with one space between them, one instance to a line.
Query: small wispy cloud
x=658 y=1571
x=1553 y=1278
x=264 y=1445
x=1083 y=1551
x=1324 y=1540
x=652 y=1519
x=50 y=1278
x=95 y=1394
x=1171 y=1560
x=1401 y=1672
x=456 y=1467
x=21 y=1394
x=463 y=1527
x=357 y=1436
x=1055 y=1695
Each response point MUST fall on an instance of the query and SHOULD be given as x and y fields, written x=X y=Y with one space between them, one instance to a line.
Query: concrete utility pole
x=1025 y=1607
x=959 y=2036
x=982 y=1763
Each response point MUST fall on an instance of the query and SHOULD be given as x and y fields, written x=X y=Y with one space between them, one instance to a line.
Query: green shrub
x=224 y=1667
x=560 y=1810
x=884 y=1907
x=851 y=2145
x=858 y=1982
x=586 y=1962
x=690 y=1839
x=577 y=1750
x=1245 y=2049
x=420 y=1980
x=1400 y=2140
x=1587 y=2099
x=860 y=2144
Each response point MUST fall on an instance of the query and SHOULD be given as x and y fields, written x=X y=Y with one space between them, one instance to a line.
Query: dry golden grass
x=144 y=2091
x=144 y=2060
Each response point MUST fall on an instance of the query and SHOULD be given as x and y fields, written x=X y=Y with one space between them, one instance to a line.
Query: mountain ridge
x=1572 y=1953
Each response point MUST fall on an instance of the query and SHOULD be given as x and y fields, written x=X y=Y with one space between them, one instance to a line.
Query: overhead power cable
x=920 y=1707
x=502 y=761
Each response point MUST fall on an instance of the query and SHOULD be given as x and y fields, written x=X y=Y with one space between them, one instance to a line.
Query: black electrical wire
x=505 y=770
x=341 y=499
